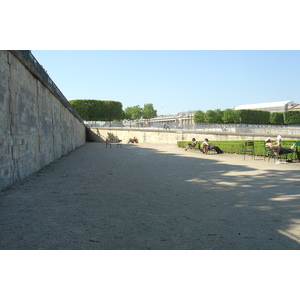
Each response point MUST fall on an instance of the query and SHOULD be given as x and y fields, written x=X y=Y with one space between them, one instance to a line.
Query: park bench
x=110 y=142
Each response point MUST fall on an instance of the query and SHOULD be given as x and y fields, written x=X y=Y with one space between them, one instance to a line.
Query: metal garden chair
x=297 y=151
x=249 y=148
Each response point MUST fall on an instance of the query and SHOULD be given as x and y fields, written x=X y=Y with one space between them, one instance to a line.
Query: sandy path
x=149 y=196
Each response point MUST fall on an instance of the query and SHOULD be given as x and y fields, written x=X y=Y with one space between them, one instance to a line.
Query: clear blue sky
x=175 y=80
x=208 y=68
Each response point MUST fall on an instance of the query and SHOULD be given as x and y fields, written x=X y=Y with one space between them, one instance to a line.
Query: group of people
x=205 y=146
x=275 y=146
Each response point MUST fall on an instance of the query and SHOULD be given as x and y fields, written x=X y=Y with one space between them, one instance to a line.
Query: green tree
x=98 y=110
x=133 y=112
x=214 y=116
x=219 y=115
x=113 y=110
x=87 y=109
x=148 y=111
x=199 y=116
x=230 y=116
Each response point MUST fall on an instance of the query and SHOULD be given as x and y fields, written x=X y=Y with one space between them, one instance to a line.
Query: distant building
x=175 y=121
x=280 y=106
x=178 y=120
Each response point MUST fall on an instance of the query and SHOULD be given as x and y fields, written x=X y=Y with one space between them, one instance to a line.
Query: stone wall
x=143 y=135
x=172 y=136
x=36 y=127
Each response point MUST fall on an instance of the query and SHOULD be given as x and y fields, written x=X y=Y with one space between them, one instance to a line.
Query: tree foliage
x=133 y=112
x=250 y=116
x=247 y=116
x=291 y=117
x=199 y=116
x=98 y=110
x=136 y=112
x=230 y=116
x=113 y=110
x=214 y=116
x=108 y=110
x=148 y=111
x=276 y=118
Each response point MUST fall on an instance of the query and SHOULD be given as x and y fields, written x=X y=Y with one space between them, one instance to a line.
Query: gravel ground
x=150 y=196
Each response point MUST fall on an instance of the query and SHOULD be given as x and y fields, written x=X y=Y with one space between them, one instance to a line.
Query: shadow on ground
x=140 y=197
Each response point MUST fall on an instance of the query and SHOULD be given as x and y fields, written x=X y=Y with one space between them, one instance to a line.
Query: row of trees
x=137 y=112
x=108 y=110
x=247 y=116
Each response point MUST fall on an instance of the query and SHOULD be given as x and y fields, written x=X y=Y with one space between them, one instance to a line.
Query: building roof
x=264 y=105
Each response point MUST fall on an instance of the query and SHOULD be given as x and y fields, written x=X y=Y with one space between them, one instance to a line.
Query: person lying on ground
x=207 y=146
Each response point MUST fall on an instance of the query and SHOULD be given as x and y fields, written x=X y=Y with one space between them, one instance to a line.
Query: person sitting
x=192 y=144
x=207 y=146
x=134 y=140
x=276 y=147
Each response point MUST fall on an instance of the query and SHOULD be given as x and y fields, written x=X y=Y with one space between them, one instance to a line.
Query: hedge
x=98 y=110
x=249 y=116
x=237 y=146
x=291 y=117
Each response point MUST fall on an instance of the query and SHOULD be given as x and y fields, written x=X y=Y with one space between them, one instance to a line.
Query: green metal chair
x=249 y=148
x=270 y=153
x=297 y=151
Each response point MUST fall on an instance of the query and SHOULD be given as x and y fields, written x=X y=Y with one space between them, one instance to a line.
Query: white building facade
x=279 y=106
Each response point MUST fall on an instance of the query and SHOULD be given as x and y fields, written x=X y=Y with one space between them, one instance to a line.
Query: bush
x=291 y=117
x=276 y=118
x=98 y=110
x=249 y=116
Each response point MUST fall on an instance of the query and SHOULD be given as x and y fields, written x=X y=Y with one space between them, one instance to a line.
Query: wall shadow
x=93 y=137
x=142 y=198
x=227 y=206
